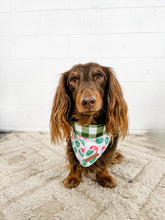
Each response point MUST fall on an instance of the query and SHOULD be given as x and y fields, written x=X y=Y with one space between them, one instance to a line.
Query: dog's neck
x=86 y=119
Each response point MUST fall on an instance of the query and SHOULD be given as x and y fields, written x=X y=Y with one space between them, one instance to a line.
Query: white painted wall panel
x=115 y=4
x=33 y=47
x=145 y=94
x=48 y=70
x=27 y=93
x=15 y=117
x=31 y=5
x=40 y=39
x=146 y=118
x=7 y=5
x=77 y=4
x=24 y=5
x=83 y=21
x=118 y=45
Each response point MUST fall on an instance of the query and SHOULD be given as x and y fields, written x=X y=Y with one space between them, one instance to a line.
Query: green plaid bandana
x=90 y=131
x=89 y=142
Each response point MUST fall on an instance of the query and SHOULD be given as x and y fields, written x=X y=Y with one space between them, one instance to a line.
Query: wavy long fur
x=116 y=115
x=59 y=120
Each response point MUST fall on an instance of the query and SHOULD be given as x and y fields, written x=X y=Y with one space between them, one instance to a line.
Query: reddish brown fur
x=90 y=79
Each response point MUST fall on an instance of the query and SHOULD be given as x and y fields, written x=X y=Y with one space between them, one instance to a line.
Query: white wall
x=39 y=39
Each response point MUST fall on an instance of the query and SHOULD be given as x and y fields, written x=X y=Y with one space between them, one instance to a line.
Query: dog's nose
x=88 y=102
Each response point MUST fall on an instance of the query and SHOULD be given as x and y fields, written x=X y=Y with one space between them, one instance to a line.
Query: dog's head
x=88 y=93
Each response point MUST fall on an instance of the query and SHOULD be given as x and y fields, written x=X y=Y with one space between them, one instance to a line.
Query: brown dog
x=89 y=94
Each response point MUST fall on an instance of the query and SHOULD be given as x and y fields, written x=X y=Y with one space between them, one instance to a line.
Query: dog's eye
x=98 y=76
x=74 y=81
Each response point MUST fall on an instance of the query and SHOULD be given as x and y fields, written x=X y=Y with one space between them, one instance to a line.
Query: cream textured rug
x=31 y=171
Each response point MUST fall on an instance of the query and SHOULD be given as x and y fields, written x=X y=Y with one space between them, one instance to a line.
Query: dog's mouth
x=88 y=113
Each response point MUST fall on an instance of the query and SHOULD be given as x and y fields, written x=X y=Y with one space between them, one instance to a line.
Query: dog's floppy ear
x=59 y=120
x=116 y=114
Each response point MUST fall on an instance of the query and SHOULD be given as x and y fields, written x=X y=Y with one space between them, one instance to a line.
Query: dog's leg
x=117 y=157
x=74 y=177
x=104 y=179
x=110 y=157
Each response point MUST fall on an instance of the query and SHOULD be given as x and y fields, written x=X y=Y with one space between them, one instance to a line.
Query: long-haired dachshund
x=89 y=111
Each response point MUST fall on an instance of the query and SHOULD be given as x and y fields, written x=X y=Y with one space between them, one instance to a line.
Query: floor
x=31 y=171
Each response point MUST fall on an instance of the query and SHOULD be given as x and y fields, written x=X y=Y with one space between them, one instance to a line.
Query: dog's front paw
x=118 y=156
x=106 y=180
x=71 y=182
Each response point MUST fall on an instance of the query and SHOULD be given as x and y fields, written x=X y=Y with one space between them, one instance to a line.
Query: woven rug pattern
x=31 y=171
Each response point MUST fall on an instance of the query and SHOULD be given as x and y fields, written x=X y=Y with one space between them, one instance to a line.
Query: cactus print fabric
x=89 y=143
